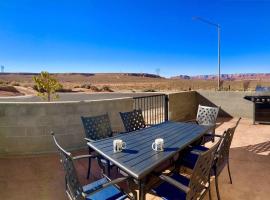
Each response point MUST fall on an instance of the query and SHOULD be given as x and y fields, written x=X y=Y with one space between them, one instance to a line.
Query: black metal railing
x=154 y=108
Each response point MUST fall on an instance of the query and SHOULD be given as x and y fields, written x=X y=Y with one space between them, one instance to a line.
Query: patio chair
x=103 y=188
x=133 y=120
x=207 y=116
x=177 y=186
x=96 y=128
x=221 y=157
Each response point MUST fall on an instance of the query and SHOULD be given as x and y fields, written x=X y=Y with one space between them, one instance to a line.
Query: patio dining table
x=139 y=160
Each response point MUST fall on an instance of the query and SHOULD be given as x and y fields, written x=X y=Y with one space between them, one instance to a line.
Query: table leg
x=141 y=190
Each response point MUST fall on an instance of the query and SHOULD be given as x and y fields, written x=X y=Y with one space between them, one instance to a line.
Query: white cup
x=158 y=145
x=118 y=145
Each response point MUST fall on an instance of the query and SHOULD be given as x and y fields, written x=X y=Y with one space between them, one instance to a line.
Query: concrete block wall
x=25 y=127
x=182 y=106
x=232 y=103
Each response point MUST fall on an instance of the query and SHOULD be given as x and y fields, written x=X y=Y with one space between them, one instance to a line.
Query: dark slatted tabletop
x=138 y=159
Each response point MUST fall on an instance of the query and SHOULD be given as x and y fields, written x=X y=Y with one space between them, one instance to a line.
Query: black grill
x=261 y=108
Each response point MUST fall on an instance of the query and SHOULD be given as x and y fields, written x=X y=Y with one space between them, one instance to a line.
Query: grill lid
x=260 y=89
x=262 y=95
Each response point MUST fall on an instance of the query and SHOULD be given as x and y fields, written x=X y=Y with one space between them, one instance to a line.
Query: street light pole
x=218 y=30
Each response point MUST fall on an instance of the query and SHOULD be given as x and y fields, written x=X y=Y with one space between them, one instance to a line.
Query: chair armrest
x=89 y=140
x=220 y=136
x=196 y=152
x=175 y=183
x=215 y=135
x=83 y=156
x=115 y=181
x=103 y=186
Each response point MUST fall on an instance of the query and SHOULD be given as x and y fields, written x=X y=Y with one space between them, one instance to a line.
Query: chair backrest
x=207 y=115
x=133 y=120
x=97 y=127
x=73 y=186
x=199 y=178
x=224 y=148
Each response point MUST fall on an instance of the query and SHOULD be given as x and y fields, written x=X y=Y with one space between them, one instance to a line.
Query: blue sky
x=134 y=36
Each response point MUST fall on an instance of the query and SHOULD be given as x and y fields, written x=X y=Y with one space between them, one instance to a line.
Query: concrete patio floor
x=41 y=177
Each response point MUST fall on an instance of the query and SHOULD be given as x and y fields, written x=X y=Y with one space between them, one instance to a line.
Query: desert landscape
x=16 y=84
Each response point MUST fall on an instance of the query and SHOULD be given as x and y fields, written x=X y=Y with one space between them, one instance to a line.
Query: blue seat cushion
x=108 y=193
x=168 y=192
x=189 y=159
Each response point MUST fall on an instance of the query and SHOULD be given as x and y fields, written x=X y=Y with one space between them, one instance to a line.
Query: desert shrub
x=106 y=88
x=41 y=90
x=15 y=84
x=86 y=85
x=149 y=90
x=95 y=88
x=64 y=90
x=8 y=88
x=46 y=85
x=2 y=82
x=246 y=85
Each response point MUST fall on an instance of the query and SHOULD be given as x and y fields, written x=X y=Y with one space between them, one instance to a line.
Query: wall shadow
x=222 y=113
x=263 y=147
x=252 y=153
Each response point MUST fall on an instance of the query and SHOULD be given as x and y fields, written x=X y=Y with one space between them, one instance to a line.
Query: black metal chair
x=133 y=120
x=96 y=128
x=221 y=157
x=207 y=116
x=103 y=188
x=177 y=186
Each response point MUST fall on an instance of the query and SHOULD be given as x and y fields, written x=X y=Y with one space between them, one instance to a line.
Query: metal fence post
x=166 y=108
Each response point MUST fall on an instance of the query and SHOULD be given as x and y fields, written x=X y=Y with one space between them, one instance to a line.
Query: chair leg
x=108 y=168
x=213 y=136
x=89 y=166
x=210 y=197
x=229 y=171
x=217 y=189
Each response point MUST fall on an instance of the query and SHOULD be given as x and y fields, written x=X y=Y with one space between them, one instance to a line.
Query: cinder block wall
x=25 y=127
x=232 y=103
x=182 y=106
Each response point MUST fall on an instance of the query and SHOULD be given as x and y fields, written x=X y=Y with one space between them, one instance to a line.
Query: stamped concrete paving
x=41 y=177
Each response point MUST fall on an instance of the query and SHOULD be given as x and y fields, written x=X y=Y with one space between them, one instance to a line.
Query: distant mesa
x=87 y=74
x=181 y=77
x=143 y=75
x=231 y=77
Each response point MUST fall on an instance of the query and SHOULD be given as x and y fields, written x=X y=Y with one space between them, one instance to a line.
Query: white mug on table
x=118 y=145
x=158 y=145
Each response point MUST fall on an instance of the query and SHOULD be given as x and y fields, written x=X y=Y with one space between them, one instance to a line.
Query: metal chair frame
x=133 y=120
x=97 y=127
x=74 y=189
x=207 y=116
x=199 y=183
x=223 y=154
